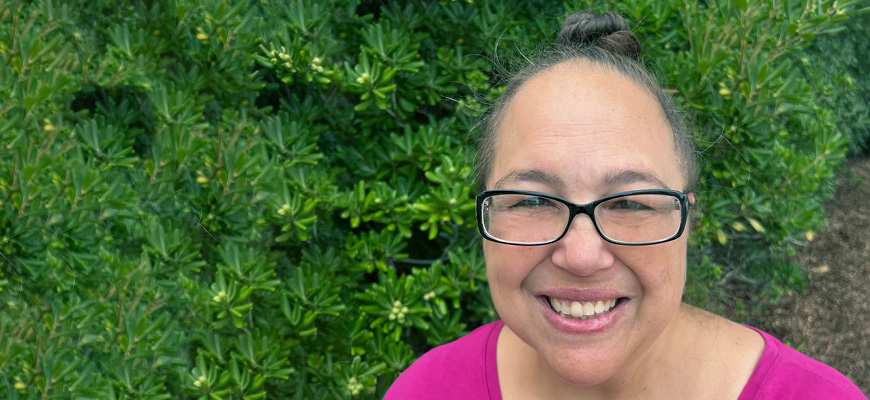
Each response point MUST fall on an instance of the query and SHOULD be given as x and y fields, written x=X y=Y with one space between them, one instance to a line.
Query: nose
x=582 y=251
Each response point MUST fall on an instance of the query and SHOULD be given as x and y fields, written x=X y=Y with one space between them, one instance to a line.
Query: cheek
x=508 y=266
x=662 y=271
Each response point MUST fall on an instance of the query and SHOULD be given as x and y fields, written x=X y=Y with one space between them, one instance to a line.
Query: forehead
x=583 y=123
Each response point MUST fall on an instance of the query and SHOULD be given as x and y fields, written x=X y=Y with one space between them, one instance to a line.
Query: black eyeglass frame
x=588 y=209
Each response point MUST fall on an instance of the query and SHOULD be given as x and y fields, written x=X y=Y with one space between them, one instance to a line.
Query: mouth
x=573 y=309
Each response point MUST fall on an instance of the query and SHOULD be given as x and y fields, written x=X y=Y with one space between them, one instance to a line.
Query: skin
x=581 y=131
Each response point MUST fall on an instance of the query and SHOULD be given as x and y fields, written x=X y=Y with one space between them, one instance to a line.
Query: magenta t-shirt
x=466 y=369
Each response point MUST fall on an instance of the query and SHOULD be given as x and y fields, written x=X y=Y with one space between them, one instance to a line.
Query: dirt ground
x=830 y=320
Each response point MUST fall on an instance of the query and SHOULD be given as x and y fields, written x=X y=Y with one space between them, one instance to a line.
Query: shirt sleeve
x=454 y=371
x=785 y=373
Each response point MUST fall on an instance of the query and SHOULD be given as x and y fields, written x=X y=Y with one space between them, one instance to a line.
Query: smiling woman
x=588 y=173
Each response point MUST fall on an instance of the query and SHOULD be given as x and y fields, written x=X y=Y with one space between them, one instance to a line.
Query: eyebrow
x=626 y=177
x=532 y=176
x=616 y=178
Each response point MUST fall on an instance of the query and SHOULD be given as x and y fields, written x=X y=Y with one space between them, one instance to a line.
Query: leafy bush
x=769 y=147
x=235 y=199
x=834 y=66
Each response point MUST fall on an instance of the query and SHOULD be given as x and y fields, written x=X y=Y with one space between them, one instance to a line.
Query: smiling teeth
x=582 y=310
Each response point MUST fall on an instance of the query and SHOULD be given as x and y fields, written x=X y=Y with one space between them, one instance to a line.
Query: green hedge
x=234 y=199
x=835 y=65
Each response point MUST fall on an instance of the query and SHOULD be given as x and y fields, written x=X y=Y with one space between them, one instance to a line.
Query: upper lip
x=585 y=295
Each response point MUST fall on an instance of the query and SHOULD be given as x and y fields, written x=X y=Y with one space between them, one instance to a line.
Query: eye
x=628 y=205
x=532 y=202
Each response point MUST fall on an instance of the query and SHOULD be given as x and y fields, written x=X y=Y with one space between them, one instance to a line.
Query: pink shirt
x=466 y=369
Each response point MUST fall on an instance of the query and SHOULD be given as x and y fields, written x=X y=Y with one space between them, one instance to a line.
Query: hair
x=604 y=40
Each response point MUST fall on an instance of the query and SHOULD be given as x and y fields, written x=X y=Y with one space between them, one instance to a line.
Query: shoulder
x=456 y=370
x=785 y=373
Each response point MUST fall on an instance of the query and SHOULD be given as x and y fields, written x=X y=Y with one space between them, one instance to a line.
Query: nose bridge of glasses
x=578 y=209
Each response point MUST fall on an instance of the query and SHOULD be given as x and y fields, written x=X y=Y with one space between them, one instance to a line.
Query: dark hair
x=607 y=41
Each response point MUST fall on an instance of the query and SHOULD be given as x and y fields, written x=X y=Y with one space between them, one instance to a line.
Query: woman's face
x=581 y=132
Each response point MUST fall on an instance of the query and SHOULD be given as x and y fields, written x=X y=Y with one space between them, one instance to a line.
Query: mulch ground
x=830 y=320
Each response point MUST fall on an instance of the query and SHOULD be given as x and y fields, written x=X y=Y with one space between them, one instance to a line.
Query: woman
x=589 y=174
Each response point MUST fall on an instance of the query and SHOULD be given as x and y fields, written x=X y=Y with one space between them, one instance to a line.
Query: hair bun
x=607 y=31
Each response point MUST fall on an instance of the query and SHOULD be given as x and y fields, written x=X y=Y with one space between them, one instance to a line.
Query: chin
x=581 y=371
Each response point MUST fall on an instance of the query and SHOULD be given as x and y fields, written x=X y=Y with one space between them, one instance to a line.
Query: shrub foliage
x=238 y=199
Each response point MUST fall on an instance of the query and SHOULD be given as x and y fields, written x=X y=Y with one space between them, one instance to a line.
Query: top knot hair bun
x=606 y=31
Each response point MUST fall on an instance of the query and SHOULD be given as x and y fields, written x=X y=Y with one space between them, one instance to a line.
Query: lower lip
x=598 y=324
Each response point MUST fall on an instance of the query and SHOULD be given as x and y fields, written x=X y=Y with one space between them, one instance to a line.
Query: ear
x=691 y=198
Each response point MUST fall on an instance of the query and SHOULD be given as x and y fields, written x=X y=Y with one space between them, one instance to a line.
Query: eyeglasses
x=635 y=218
